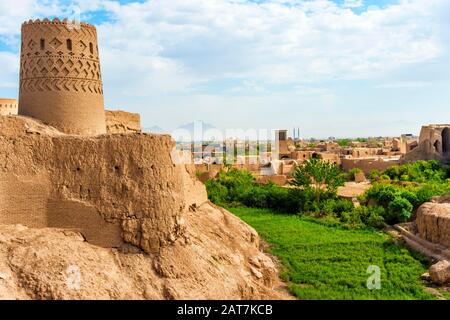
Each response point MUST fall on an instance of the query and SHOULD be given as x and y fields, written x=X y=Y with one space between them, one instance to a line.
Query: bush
x=229 y=186
x=399 y=210
x=415 y=183
x=411 y=197
x=374 y=175
x=337 y=207
x=299 y=201
x=375 y=218
x=255 y=197
x=238 y=187
x=217 y=192
x=352 y=219
x=383 y=194
x=420 y=171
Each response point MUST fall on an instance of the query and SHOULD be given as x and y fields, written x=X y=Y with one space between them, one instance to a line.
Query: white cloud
x=273 y=43
x=183 y=48
x=353 y=3
x=203 y=40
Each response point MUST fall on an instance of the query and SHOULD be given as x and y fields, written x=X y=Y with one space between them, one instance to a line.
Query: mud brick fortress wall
x=60 y=77
x=434 y=144
x=8 y=107
x=122 y=122
x=112 y=188
x=366 y=165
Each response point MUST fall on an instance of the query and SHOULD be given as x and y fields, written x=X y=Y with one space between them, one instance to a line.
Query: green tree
x=318 y=175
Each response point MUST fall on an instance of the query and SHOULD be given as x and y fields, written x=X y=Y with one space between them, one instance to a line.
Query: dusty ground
x=353 y=189
x=217 y=259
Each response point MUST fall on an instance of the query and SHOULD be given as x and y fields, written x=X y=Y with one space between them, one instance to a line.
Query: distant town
x=277 y=163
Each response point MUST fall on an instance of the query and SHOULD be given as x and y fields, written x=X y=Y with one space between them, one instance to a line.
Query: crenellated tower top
x=60 y=75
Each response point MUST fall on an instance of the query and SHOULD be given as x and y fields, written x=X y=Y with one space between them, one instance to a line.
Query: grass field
x=329 y=262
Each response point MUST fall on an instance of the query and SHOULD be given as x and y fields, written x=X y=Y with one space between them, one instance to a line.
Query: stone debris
x=440 y=272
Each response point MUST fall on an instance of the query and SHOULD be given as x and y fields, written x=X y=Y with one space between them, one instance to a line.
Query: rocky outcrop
x=433 y=221
x=440 y=272
x=218 y=258
x=113 y=217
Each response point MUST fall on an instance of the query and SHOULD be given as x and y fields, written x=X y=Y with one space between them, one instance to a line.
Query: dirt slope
x=218 y=258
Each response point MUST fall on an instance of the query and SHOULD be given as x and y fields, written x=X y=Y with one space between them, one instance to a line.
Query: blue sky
x=332 y=68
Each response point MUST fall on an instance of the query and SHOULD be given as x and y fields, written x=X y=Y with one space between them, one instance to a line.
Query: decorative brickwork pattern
x=60 y=65
x=57 y=56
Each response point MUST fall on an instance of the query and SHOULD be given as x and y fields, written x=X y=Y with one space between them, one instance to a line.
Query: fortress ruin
x=77 y=188
x=434 y=144
x=60 y=77
x=118 y=121
x=8 y=107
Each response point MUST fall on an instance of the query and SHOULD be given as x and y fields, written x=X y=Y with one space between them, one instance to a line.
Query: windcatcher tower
x=60 y=77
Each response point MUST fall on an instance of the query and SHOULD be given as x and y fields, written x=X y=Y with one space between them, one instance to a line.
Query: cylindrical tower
x=60 y=78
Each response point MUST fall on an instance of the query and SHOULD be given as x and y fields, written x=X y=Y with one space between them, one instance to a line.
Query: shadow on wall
x=446 y=141
x=28 y=201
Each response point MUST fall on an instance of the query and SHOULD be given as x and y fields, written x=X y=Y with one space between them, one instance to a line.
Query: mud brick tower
x=60 y=77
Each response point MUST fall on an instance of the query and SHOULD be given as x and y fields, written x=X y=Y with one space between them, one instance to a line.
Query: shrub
x=420 y=171
x=375 y=220
x=375 y=217
x=405 y=177
x=229 y=186
x=336 y=207
x=411 y=197
x=255 y=197
x=298 y=200
x=383 y=194
x=399 y=210
x=279 y=199
x=352 y=219
x=217 y=192
x=374 y=175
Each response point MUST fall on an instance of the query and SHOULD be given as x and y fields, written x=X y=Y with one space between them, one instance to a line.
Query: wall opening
x=42 y=44
x=91 y=48
x=446 y=140
x=69 y=44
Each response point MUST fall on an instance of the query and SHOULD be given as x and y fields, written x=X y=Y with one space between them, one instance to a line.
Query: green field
x=330 y=262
